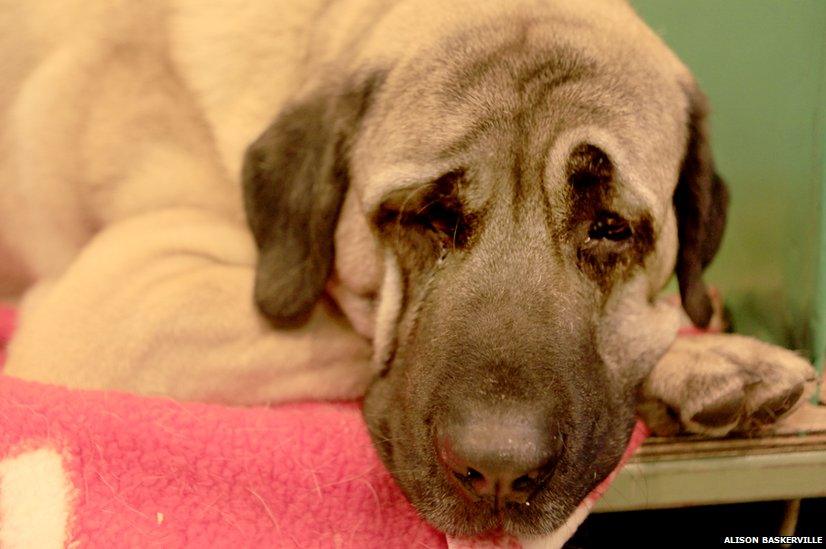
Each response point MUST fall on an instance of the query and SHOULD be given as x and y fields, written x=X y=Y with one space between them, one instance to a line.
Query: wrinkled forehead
x=477 y=95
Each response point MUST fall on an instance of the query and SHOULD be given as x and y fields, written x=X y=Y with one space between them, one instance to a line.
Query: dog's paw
x=715 y=384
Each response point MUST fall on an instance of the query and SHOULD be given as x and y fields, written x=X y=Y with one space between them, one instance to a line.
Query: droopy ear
x=295 y=177
x=700 y=202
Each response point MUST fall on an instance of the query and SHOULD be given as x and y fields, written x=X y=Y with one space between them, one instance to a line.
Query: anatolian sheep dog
x=465 y=209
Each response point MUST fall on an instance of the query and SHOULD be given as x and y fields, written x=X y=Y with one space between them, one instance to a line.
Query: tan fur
x=122 y=132
x=123 y=127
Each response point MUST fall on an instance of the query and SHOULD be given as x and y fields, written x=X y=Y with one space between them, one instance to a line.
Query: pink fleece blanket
x=105 y=469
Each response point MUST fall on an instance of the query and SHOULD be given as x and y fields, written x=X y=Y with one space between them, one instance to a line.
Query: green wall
x=763 y=65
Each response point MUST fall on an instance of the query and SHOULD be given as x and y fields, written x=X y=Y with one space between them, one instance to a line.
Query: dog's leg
x=718 y=383
x=162 y=304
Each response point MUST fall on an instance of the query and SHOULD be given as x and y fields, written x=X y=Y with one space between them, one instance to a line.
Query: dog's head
x=526 y=181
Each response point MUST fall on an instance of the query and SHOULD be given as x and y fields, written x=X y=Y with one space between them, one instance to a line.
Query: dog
x=462 y=210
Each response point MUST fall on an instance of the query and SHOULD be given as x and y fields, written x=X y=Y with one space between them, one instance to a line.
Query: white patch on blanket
x=34 y=500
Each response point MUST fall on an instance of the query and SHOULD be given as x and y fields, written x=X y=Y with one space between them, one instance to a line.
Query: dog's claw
x=718 y=384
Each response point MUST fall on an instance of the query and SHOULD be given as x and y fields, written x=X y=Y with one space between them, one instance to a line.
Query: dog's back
x=122 y=126
x=113 y=109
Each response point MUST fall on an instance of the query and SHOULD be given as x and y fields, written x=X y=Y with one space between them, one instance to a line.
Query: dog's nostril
x=523 y=484
x=470 y=474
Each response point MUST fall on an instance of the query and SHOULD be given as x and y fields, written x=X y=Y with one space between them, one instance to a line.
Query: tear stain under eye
x=392 y=342
x=427 y=286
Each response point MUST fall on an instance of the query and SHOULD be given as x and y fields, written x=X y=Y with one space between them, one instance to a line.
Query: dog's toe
x=770 y=406
x=779 y=381
x=719 y=416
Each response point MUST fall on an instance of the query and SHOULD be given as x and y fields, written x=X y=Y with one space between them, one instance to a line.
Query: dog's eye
x=434 y=209
x=609 y=226
x=613 y=244
x=442 y=220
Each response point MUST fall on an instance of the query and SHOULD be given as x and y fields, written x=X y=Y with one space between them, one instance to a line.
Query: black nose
x=501 y=456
